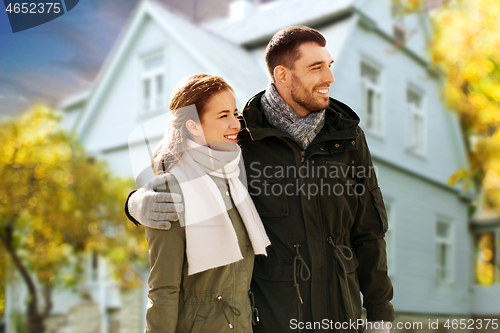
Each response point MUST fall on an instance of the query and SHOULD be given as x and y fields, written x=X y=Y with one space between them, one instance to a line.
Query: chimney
x=435 y=4
x=239 y=9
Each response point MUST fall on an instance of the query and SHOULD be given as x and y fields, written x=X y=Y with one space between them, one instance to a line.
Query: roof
x=277 y=15
x=215 y=54
x=485 y=216
x=75 y=99
x=228 y=59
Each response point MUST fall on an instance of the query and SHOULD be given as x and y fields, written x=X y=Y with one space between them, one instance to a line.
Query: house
x=382 y=72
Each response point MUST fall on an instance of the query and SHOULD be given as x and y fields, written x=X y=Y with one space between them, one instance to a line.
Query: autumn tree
x=465 y=48
x=57 y=203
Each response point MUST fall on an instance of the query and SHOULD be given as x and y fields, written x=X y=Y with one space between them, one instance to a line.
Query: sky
x=60 y=58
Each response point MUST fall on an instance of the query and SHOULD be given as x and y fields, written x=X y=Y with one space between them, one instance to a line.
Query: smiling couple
x=241 y=263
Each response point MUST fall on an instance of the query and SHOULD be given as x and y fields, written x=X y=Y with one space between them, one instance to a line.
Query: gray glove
x=377 y=327
x=155 y=209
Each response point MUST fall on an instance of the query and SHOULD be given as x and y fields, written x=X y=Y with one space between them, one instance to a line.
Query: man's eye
x=317 y=68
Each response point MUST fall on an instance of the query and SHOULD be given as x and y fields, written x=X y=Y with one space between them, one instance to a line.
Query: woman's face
x=219 y=123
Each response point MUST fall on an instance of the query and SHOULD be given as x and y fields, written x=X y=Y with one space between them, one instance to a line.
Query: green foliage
x=57 y=203
x=465 y=47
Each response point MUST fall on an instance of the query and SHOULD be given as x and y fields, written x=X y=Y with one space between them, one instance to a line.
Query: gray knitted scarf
x=281 y=116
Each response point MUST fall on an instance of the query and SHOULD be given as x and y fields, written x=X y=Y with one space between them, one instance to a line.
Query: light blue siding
x=416 y=205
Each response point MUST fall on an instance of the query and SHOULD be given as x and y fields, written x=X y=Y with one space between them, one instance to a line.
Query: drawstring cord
x=348 y=257
x=255 y=311
x=303 y=266
x=225 y=304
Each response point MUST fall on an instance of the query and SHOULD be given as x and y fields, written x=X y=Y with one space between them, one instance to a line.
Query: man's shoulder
x=251 y=113
x=342 y=108
x=253 y=104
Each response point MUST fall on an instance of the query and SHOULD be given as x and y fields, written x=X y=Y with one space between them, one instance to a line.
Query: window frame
x=449 y=242
x=157 y=99
x=414 y=112
x=377 y=88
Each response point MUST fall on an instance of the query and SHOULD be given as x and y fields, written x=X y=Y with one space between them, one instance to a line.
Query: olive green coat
x=199 y=302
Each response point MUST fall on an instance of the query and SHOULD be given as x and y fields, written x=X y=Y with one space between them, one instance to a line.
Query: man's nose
x=328 y=76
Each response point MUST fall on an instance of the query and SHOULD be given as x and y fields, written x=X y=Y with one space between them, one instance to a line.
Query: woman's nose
x=235 y=123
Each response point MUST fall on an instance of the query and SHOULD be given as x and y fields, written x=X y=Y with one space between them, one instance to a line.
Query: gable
x=188 y=50
x=266 y=20
x=416 y=26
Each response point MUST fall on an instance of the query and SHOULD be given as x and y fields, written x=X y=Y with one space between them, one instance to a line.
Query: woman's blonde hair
x=193 y=91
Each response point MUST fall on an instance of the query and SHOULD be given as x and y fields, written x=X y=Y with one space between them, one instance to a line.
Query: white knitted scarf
x=211 y=240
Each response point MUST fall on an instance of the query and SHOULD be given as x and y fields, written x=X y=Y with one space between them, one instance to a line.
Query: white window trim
x=412 y=113
x=151 y=50
x=378 y=129
x=450 y=242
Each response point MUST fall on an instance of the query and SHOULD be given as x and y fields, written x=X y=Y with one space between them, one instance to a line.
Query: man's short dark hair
x=283 y=48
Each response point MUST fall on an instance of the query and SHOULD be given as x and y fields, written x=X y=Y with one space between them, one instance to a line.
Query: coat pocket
x=354 y=289
x=266 y=185
x=338 y=169
x=378 y=201
x=275 y=296
x=349 y=284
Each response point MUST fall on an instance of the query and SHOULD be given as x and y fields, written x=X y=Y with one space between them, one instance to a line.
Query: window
x=416 y=130
x=444 y=251
x=371 y=96
x=487 y=261
x=152 y=82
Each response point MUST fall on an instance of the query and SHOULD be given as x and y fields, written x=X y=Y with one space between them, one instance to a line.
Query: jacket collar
x=341 y=122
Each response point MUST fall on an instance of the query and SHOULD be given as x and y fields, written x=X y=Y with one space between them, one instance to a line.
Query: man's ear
x=194 y=128
x=282 y=76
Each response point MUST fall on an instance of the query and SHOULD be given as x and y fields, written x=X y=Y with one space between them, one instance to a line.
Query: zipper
x=335 y=247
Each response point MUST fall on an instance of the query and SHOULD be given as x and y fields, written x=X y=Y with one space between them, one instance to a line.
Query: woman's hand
x=154 y=208
x=377 y=327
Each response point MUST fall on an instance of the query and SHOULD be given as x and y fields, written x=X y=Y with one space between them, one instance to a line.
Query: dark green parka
x=324 y=213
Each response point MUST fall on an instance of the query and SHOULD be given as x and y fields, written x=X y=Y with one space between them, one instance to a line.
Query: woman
x=201 y=269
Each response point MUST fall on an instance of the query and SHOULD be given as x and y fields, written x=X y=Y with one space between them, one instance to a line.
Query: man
x=310 y=175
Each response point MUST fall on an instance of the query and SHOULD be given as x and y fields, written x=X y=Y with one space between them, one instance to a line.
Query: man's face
x=311 y=79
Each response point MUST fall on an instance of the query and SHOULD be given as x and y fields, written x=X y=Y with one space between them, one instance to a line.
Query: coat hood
x=340 y=121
